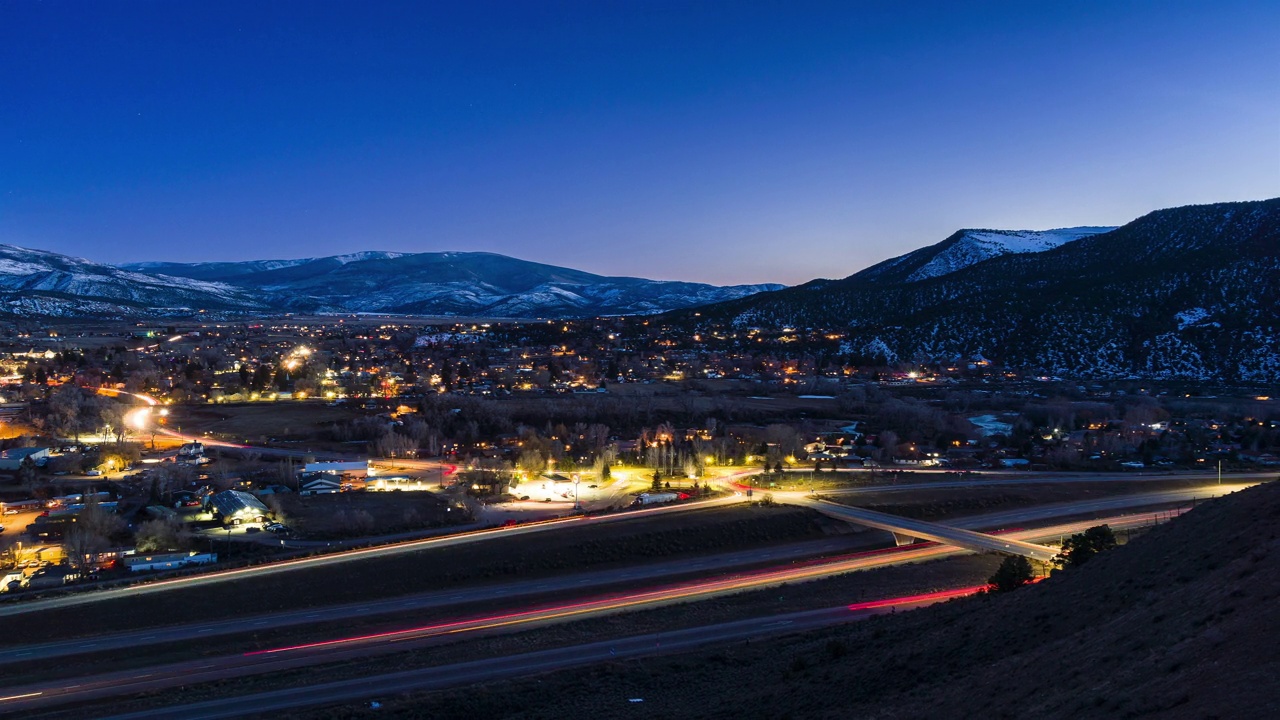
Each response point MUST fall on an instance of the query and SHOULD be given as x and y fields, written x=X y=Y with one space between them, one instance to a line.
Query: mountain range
x=1189 y=292
x=38 y=283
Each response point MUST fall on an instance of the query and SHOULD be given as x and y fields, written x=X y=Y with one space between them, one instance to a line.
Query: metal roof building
x=235 y=507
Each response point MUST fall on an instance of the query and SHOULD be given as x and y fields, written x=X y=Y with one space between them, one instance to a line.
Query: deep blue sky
x=722 y=142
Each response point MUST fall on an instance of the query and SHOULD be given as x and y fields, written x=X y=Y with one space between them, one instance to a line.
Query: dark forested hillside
x=1187 y=292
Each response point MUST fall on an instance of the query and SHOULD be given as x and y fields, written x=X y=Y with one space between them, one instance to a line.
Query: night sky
x=731 y=142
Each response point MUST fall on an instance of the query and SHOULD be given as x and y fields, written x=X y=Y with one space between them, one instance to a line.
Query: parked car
x=93 y=473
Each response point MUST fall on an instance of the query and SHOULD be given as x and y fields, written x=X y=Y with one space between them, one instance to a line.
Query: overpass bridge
x=925 y=530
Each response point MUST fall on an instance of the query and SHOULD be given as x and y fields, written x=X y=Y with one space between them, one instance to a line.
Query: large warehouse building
x=234 y=507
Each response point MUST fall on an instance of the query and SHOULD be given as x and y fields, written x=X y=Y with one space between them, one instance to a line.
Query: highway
x=925 y=530
x=386 y=685
x=1051 y=479
x=434 y=599
x=960 y=533
x=338 y=558
x=262 y=661
x=346 y=556
x=577 y=581
x=1005 y=518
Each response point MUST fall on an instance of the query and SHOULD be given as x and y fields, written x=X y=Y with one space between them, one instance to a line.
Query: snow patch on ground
x=1195 y=317
x=979 y=245
x=989 y=425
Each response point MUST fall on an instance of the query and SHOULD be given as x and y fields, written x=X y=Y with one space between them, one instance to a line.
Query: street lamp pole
x=1219 y=472
x=577 y=505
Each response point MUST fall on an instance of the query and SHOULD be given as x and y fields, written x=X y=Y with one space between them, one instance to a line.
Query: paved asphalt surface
x=990 y=479
x=1006 y=518
x=383 y=686
x=439 y=598
x=926 y=530
x=157 y=678
x=339 y=558
x=956 y=533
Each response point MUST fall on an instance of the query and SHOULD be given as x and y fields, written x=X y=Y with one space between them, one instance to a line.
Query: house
x=320 y=484
x=192 y=453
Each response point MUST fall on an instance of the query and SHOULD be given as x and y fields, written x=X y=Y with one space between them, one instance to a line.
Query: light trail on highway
x=305 y=654
x=346 y=556
x=612 y=649
x=336 y=558
x=698 y=590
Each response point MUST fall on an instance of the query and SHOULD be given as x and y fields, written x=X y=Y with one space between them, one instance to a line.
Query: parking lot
x=15 y=526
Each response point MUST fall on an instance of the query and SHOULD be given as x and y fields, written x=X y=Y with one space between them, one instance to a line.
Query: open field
x=356 y=514
x=258 y=422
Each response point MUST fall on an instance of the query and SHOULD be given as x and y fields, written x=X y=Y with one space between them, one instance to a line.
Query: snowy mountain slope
x=38 y=283
x=30 y=274
x=464 y=283
x=969 y=247
x=1190 y=292
x=228 y=271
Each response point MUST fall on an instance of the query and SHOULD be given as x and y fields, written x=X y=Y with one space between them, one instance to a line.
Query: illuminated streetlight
x=138 y=418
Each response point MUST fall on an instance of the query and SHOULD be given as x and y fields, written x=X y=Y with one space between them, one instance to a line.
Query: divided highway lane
x=925 y=530
x=583 y=580
x=156 y=678
x=339 y=558
x=387 y=685
x=542 y=661
x=580 y=581
x=1053 y=479
x=421 y=601
x=959 y=532
x=1109 y=504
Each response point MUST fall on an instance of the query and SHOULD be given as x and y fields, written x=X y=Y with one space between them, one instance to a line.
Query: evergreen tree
x=1012 y=574
x=1081 y=547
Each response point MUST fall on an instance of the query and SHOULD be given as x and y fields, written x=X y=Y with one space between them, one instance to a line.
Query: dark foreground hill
x=1183 y=622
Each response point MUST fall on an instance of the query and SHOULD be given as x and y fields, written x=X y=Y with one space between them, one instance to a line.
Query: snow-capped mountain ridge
x=35 y=282
x=26 y=273
x=969 y=247
x=1189 y=292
